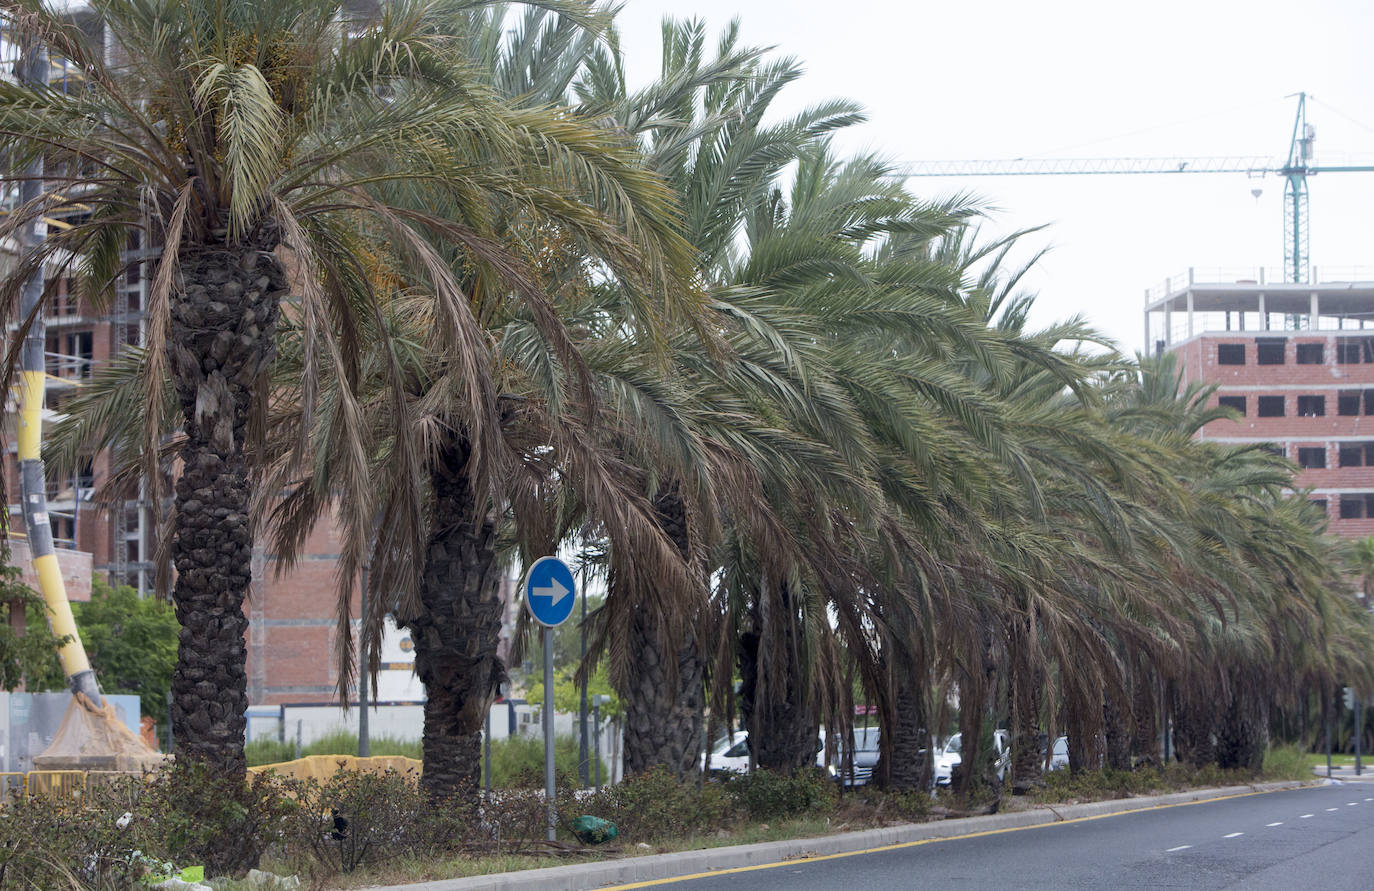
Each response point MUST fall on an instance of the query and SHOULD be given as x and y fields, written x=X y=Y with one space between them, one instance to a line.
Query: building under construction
x=1295 y=361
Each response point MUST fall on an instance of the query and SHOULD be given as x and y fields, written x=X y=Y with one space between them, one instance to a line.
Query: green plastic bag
x=594 y=830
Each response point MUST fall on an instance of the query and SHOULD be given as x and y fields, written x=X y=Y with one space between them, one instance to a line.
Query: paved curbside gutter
x=582 y=876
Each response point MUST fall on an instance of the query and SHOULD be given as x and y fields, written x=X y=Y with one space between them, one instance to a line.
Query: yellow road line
x=924 y=841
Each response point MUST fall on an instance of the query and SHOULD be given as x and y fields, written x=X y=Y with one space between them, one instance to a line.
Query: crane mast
x=1294 y=170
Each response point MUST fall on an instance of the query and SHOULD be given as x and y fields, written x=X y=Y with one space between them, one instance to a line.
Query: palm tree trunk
x=782 y=726
x=1116 y=730
x=663 y=704
x=1243 y=731
x=1195 y=742
x=973 y=701
x=911 y=757
x=1083 y=717
x=1027 y=697
x=457 y=632
x=220 y=341
x=1145 y=748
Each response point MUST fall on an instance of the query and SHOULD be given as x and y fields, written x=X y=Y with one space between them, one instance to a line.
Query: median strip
x=656 y=869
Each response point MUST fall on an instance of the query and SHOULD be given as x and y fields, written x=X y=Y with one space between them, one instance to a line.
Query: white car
x=951 y=755
x=732 y=755
x=729 y=756
x=1059 y=755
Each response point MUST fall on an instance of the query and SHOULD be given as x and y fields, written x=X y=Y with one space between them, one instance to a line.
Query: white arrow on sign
x=555 y=592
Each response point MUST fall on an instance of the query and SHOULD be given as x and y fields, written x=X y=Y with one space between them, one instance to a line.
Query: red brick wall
x=1291 y=380
x=291 y=632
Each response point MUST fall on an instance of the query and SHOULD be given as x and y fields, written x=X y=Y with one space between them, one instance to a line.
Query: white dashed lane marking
x=1233 y=835
x=1307 y=816
x=1279 y=823
x=1179 y=848
x=1351 y=803
x=1332 y=809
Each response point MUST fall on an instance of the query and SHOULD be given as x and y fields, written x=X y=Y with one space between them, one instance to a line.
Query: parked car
x=729 y=756
x=1059 y=755
x=952 y=755
x=732 y=755
x=865 y=758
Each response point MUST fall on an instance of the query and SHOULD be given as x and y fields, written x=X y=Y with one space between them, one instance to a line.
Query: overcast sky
x=1006 y=79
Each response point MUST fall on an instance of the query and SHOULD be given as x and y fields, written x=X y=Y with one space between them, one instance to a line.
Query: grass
x=337 y=742
x=1318 y=759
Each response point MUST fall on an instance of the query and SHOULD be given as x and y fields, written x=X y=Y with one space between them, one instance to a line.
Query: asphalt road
x=1321 y=837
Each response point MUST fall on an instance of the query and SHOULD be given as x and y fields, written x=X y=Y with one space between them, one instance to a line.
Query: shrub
x=657 y=804
x=517 y=762
x=191 y=815
x=355 y=818
x=766 y=795
x=1286 y=763
x=50 y=842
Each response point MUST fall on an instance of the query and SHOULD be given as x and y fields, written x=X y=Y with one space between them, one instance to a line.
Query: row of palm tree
x=440 y=277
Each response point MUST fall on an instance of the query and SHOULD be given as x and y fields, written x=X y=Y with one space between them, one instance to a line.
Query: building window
x=1269 y=406
x=1352 y=455
x=1348 y=403
x=1312 y=458
x=1230 y=354
x=1236 y=402
x=1311 y=353
x=1350 y=351
x=1270 y=352
x=1352 y=507
x=1319 y=503
x=1311 y=406
x=1274 y=449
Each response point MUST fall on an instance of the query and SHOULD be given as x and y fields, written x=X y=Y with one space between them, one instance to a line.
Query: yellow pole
x=33 y=69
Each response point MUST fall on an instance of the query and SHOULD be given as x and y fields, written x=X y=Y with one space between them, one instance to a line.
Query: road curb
x=651 y=867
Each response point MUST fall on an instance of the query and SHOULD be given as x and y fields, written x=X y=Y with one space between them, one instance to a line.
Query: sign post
x=549 y=588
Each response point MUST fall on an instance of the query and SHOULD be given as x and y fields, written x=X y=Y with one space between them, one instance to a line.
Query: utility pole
x=1359 y=729
x=582 y=711
x=364 y=739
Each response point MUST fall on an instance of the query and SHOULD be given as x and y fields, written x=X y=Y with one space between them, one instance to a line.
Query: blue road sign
x=549 y=590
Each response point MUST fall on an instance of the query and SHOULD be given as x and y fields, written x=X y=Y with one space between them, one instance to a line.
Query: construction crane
x=1295 y=170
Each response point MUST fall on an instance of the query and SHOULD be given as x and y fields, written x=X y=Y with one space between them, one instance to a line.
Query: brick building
x=1296 y=361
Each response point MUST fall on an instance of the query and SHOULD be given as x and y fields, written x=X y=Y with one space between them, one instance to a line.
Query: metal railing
x=71 y=784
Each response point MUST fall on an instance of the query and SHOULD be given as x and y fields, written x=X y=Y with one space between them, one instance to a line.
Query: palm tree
x=263 y=148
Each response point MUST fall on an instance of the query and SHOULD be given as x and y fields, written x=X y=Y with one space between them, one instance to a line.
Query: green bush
x=356 y=818
x=1286 y=763
x=656 y=804
x=766 y=795
x=192 y=816
x=517 y=762
x=123 y=829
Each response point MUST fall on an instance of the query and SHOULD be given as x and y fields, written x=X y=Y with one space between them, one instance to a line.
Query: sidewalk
x=664 y=866
x=1346 y=774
